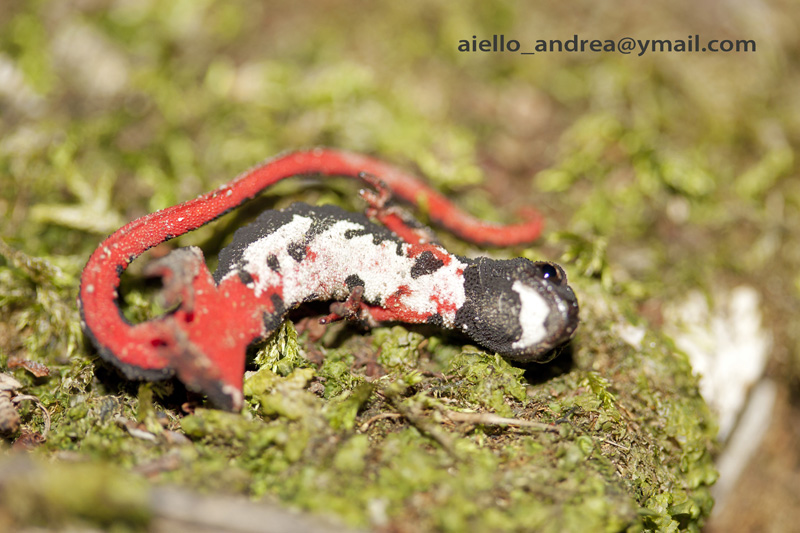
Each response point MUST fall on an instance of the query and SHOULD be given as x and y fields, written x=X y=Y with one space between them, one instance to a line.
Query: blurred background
x=683 y=165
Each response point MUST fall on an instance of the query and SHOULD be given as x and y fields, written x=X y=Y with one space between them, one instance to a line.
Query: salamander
x=391 y=271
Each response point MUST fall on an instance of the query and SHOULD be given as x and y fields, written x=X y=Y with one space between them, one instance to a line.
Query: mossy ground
x=657 y=174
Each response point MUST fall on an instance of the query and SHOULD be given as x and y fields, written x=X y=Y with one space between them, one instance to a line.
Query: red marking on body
x=394 y=309
x=445 y=307
x=399 y=313
x=402 y=290
x=415 y=250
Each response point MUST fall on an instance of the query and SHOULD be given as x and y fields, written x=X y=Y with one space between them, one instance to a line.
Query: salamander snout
x=548 y=315
x=518 y=308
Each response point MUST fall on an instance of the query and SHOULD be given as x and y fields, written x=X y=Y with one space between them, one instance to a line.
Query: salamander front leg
x=393 y=217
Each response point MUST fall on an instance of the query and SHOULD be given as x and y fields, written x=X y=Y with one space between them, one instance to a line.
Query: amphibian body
x=377 y=272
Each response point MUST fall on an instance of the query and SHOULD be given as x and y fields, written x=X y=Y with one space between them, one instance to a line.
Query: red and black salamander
x=382 y=272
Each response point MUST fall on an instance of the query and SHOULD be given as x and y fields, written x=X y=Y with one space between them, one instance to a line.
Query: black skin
x=490 y=315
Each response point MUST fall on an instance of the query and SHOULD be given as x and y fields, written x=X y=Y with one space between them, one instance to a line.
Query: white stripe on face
x=533 y=314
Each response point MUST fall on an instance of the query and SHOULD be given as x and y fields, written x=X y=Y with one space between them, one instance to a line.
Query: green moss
x=281 y=396
x=487 y=381
x=281 y=354
x=343 y=410
x=399 y=348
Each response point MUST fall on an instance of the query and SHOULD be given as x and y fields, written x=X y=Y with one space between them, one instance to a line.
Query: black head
x=518 y=308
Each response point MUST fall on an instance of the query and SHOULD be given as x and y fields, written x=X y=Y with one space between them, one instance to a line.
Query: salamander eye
x=552 y=272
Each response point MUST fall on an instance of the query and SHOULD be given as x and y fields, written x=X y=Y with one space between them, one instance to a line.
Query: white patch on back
x=533 y=314
x=331 y=257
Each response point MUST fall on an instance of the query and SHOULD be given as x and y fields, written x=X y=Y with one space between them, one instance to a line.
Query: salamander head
x=518 y=308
